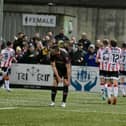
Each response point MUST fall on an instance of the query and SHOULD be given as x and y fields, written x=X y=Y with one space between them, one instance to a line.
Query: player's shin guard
x=53 y=93
x=65 y=93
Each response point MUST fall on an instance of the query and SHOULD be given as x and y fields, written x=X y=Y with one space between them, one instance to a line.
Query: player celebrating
x=61 y=67
x=102 y=58
x=7 y=56
x=113 y=72
x=123 y=69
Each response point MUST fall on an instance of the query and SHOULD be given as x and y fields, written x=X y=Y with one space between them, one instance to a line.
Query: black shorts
x=112 y=74
x=62 y=73
x=6 y=70
x=122 y=73
x=102 y=73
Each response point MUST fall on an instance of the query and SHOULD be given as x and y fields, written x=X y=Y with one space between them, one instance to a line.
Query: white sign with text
x=39 y=20
x=31 y=74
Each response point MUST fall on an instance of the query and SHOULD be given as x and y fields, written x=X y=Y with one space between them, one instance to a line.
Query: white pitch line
x=79 y=111
x=88 y=111
x=7 y=108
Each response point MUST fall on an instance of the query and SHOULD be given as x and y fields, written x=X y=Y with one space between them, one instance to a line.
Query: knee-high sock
x=109 y=90
x=7 y=84
x=1 y=81
x=65 y=93
x=102 y=88
x=53 y=93
x=122 y=88
x=115 y=90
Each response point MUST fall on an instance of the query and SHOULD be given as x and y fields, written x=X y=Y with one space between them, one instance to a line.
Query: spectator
x=30 y=55
x=61 y=36
x=90 y=57
x=25 y=48
x=35 y=39
x=19 y=55
x=50 y=34
x=68 y=46
x=74 y=43
x=61 y=44
x=36 y=35
x=46 y=55
x=78 y=56
x=42 y=54
x=46 y=41
x=19 y=40
x=84 y=40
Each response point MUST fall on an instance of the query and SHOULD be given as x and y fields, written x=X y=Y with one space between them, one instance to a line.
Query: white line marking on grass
x=87 y=111
x=78 y=111
x=7 y=108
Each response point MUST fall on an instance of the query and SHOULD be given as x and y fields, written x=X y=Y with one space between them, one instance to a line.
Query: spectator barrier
x=41 y=76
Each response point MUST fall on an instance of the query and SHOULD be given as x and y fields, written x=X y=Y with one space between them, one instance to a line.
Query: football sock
x=115 y=90
x=53 y=93
x=122 y=88
x=102 y=88
x=109 y=90
x=65 y=93
x=7 y=84
x=1 y=81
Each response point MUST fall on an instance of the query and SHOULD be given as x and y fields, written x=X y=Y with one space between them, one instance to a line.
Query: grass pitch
x=23 y=107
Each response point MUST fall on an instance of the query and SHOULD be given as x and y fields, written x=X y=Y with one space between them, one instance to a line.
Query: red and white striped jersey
x=114 y=59
x=123 y=60
x=7 y=55
x=103 y=58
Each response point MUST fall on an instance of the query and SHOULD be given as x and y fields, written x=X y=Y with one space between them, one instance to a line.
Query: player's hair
x=9 y=43
x=105 y=42
x=113 y=43
x=124 y=45
x=55 y=47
